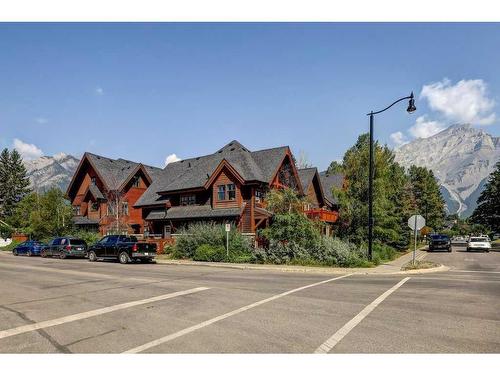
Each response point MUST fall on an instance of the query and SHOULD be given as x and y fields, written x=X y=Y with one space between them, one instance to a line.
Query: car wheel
x=123 y=258
x=62 y=255
x=92 y=256
x=43 y=254
x=449 y=250
x=15 y=252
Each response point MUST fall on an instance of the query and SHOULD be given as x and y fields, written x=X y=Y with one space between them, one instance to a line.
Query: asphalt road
x=73 y=306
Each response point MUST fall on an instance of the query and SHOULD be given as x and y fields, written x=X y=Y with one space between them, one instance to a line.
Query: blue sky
x=145 y=91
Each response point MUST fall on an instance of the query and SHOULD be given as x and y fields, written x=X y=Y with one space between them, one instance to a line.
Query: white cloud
x=466 y=101
x=425 y=128
x=398 y=139
x=172 y=158
x=27 y=150
x=41 y=120
x=99 y=91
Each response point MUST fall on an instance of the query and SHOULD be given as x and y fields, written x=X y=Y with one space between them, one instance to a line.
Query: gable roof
x=306 y=176
x=330 y=181
x=114 y=173
x=194 y=173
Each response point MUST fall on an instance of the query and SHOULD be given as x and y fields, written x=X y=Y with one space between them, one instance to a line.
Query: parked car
x=121 y=247
x=439 y=242
x=28 y=248
x=64 y=247
x=479 y=243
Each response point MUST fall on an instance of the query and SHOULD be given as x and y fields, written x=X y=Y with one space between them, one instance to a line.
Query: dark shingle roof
x=330 y=181
x=192 y=212
x=193 y=173
x=306 y=176
x=84 y=220
x=94 y=190
x=115 y=172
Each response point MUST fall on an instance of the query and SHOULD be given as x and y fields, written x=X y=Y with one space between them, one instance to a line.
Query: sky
x=148 y=92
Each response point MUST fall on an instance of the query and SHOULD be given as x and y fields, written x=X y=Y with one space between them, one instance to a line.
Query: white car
x=479 y=243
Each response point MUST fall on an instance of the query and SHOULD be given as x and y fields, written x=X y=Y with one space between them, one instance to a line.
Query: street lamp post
x=411 y=108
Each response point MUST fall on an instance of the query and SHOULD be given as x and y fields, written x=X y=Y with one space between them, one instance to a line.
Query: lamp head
x=411 y=104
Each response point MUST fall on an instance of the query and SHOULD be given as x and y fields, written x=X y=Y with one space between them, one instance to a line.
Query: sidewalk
x=390 y=268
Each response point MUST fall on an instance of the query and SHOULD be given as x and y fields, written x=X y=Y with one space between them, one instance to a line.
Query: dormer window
x=221 y=194
x=231 y=192
x=136 y=181
x=187 y=200
x=226 y=192
x=93 y=181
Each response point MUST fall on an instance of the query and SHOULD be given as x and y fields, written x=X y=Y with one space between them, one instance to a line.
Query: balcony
x=322 y=215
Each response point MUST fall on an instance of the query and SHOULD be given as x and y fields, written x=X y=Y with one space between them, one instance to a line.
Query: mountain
x=49 y=171
x=461 y=157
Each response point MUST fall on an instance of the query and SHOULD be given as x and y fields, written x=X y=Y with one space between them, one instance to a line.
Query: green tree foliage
x=429 y=201
x=393 y=201
x=14 y=183
x=487 y=212
x=334 y=168
x=43 y=215
x=284 y=201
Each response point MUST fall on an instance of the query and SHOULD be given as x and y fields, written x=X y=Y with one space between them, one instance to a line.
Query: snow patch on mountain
x=461 y=156
x=51 y=171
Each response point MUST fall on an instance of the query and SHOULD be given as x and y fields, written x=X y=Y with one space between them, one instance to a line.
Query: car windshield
x=478 y=240
x=439 y=237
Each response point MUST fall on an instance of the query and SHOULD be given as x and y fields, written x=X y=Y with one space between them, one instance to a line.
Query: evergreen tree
x=487 y=212
x=392 y=198
x=14 y=183
x=428 y=198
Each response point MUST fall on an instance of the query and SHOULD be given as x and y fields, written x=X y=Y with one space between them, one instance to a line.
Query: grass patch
x=419 y=265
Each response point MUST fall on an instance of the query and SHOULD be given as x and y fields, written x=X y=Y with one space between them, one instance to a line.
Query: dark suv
x=439 y=242
x=64 y=247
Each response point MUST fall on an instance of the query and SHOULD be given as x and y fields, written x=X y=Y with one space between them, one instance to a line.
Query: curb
x=336 y=271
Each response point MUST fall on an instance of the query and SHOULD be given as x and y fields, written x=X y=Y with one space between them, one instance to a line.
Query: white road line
x=89 y=314
x=465 y=271
x=221 y=317
x=342 y=332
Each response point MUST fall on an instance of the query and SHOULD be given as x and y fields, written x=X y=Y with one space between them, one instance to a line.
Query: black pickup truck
x=121 y=247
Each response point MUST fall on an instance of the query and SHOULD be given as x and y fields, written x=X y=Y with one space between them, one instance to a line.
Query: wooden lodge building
x=228 y=186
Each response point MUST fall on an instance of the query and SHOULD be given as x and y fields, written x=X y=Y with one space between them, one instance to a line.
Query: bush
x=383 y=253
x=281 y=252
x=209 y=253
x=335 y=252
x=89 y=237
x=190 y=239
x=292 y=228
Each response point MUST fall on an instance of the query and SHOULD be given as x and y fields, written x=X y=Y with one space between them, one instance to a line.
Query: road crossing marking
x=92 y=313
x=329 y=344
x=221 y=317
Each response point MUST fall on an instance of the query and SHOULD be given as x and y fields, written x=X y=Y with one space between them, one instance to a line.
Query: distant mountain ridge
x=461 y=157
x=51 y=171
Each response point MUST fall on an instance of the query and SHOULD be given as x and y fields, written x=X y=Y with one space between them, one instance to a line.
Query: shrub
x=292 y=228
x=190 y=239
x=382 y=253
x=209 y=253
x=281 y=252
x=335 y=252
x=89 y=237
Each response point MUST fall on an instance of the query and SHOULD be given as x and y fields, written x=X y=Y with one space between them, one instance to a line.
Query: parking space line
x=224 y=316
x=89 y=314
x=329 y=344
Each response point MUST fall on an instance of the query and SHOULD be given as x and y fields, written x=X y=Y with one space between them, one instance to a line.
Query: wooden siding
x=224 y=178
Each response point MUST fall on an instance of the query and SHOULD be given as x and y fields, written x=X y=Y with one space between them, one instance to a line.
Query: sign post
x=416 y=222
x=228 y=229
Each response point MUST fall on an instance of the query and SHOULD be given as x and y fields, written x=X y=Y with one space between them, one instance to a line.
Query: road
x=73 y=306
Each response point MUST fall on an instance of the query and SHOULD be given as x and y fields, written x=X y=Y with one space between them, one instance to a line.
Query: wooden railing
x=322 y=215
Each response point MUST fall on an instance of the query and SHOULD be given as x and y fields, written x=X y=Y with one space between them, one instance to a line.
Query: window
x=136 y=181
x=221 y=195
x=259 y=196
x=231 y=192
x=188 y=200
x=94 y=206
x=125 y=208
x=77 y=210
x=92 y=180
x=111 y=209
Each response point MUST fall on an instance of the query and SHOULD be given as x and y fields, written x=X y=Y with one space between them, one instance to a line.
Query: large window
x=188 y=200
x=221 y=195
x=125 y=208
x=226 y=192
x=231 y=192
